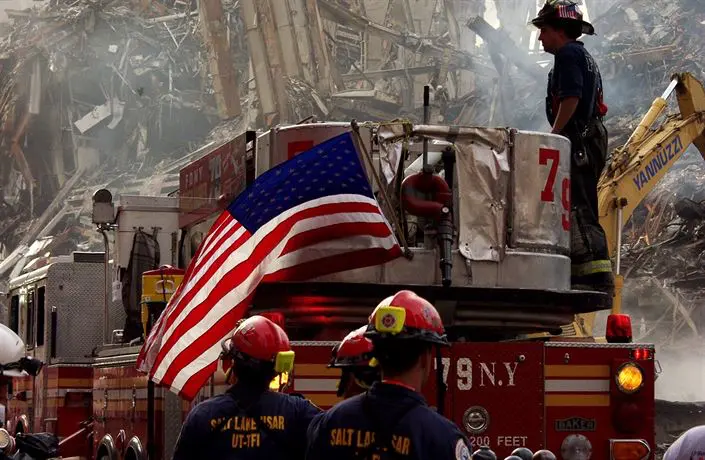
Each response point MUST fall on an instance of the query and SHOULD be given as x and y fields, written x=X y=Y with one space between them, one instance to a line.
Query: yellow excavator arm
x=640 y=164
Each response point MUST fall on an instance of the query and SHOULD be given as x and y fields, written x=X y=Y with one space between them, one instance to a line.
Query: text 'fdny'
x=664 y=156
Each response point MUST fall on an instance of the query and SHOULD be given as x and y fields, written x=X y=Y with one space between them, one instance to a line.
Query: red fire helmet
x=407 y=316
x=355 y=350
x=259 y=340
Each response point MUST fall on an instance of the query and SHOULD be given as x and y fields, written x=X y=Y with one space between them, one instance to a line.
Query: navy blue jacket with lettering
x=386 y=411
x=224 y=428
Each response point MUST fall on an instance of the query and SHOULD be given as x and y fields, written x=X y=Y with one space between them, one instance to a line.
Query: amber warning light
x=619 y=329
x=630 y=378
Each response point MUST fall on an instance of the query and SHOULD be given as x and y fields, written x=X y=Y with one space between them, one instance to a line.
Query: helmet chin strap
x=361 y=383
x=343 y=384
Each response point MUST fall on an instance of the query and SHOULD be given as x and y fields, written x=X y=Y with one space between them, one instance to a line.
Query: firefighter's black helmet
x=484 y=453
x=523 y=453
x=544 y=455
x=557 y=11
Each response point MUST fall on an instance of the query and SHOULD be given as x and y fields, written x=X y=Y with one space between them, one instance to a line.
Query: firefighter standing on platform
x=249 y=421
x=353 y=355
x=392 y=419
x=575 y=108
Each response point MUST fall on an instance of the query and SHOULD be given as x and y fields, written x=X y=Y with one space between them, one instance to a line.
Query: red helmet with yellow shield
x=359 y=368
x=259 y=347
x=406 y=316
x=403 y=328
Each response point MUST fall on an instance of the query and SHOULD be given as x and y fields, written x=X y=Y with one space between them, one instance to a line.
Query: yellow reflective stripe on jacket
x=588 y=268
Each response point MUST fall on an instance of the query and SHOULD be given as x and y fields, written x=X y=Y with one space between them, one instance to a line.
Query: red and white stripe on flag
x=321 y=236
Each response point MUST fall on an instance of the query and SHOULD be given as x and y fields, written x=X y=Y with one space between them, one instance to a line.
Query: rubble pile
x=671 y=421
x=113 y=85
x=664 y=252
x=640 y=45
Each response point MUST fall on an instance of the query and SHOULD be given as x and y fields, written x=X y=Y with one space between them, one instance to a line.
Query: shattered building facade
x=121 y=94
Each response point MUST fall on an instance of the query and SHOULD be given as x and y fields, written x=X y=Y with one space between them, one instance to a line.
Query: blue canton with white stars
x=330 y=168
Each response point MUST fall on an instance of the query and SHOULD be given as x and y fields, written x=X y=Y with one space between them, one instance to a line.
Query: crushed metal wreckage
x=93 y=91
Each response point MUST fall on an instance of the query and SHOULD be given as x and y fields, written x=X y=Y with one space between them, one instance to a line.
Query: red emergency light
x=619 y=329
x=642 y=353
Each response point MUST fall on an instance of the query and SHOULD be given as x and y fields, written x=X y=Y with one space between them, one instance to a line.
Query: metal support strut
x=444 y=230
x=620 y=203
x=426 y=116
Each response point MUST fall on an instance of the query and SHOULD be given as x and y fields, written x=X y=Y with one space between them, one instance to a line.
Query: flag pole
x=150 y=420
x=358 y=141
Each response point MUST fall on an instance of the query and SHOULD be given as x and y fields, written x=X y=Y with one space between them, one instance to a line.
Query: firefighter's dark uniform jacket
x=389 y=417
x=575 y=74
x=242 y=424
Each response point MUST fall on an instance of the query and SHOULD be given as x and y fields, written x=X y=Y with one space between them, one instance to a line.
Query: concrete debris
x=641 y=44
x=109 y=89
x=664 y=243
x=674 y=418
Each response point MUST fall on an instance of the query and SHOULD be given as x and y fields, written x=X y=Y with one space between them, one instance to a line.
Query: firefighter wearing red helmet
x=353 y=355
x=575 y=109
x=250 y=421
x=392 y=419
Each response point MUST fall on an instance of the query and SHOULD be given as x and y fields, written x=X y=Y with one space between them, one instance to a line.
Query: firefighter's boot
x=591 y=268
x=600 y=280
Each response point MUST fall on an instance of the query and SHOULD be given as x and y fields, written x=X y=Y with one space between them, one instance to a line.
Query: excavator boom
x=642 y=162
x=637 y=167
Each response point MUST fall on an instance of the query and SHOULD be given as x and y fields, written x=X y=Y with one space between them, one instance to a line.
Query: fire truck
x=509 y=279
x=483 y=214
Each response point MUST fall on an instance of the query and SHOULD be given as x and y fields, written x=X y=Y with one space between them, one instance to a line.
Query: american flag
x=568 y=11
x=310 y=216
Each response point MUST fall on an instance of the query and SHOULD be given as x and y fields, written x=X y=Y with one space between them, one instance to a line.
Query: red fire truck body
x=53 y=309
x=537 y=394
x=510 y=279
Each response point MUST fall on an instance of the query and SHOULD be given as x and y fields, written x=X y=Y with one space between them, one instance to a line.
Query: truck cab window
x=15 y=314
x=41 y=308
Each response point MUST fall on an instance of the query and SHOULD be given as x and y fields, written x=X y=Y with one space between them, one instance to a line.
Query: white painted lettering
x=490 y=376
x=464 y=372
x=486 y=371
x=512 y=441
x=445 y=362
x=510 y=372
x=477 y=441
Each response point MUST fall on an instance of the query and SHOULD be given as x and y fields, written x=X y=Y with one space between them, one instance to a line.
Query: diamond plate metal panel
x=76 y=290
